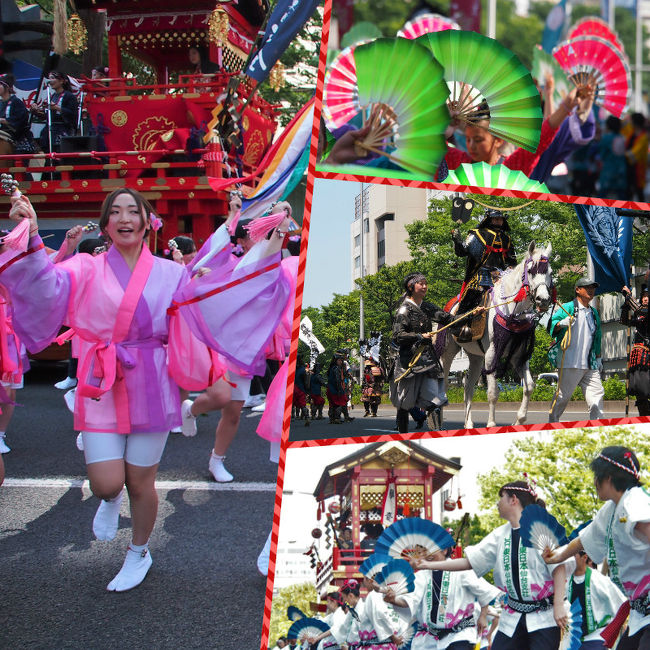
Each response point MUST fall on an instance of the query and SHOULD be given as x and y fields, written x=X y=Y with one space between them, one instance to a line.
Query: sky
x=328 y=254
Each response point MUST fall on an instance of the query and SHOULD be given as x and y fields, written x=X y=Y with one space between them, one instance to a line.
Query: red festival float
x=352 y=492
x=146 y=128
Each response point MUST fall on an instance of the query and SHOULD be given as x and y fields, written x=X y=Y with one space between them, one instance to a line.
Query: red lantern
x=316 y=533
x=449 y=505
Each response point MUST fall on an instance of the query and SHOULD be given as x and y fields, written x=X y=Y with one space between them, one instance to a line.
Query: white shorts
x=139 y=449
x=242 y=386
x=15 y=385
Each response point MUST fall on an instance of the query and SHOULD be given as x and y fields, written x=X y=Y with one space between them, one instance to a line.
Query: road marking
x=64 y=482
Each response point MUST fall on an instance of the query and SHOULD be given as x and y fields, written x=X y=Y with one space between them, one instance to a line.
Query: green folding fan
x=400 y=86
x=479 y=69
x=493 y=176
x=361 y=31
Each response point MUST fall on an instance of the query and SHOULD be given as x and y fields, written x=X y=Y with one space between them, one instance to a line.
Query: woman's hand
x=72 y=238
x=482 y=623
x=344 y=151
x=560 y=615
x=21 y=208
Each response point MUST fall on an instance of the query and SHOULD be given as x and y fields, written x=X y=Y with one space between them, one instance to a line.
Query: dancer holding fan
x=619 y=533
x=126 y=401
x=443 y=604
x=534 y=613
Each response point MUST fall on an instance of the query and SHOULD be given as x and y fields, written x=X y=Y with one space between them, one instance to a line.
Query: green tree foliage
x=561 y=468
x=472 y=534
x=300 y=596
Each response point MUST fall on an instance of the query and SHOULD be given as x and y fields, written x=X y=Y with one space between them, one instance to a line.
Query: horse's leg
x=449 y=354
x=492 y=388
x=471 y=378
x=528 y=386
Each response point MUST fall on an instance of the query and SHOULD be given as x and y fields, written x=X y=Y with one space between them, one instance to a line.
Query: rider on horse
x=487 y=248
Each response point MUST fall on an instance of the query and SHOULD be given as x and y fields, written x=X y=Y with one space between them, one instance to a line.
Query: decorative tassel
x=259 y=228
x=77 y=34
x=521 y=294
x=59 y=36
x=218 y=26
x=18 y=238
x=407 y=509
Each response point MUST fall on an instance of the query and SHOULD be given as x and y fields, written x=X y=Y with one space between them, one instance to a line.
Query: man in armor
x=416 y=377
x=635 y=315
x=488 y=248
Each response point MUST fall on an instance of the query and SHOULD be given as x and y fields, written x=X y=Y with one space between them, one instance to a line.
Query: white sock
x=107 y=518
x=134 y=570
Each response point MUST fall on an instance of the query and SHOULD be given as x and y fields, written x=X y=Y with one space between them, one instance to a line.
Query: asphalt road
x=453 y=419
x=203 y=590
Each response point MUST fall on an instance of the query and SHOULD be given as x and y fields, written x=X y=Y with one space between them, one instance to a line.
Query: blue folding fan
x=295 y=613
x=572 y=633
x=574 y=533
x=307 y=627
x=413 y=537
x=398 y=576
x=540 y=529
x=372 y=565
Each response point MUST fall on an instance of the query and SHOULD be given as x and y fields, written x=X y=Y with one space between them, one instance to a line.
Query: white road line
x=64 y=482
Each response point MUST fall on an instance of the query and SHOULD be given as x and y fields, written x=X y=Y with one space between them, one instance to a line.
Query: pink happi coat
x=121 y=321
x=270 y=426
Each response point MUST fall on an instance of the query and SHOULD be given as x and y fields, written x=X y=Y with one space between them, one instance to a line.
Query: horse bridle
x=536 y=267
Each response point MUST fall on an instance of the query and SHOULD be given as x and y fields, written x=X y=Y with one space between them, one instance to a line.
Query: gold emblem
x=622 y=519
x=148 y=131
x=245 y=122
x=119 y=118
x=255 y=145
x=166 y=137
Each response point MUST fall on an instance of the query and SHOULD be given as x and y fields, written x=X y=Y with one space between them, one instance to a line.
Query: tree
x=561 y=469
x=300 y=596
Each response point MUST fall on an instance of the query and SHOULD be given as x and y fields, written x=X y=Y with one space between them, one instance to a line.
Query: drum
x=7 y=144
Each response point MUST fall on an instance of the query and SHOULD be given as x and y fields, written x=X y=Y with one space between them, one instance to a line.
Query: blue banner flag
x=285 y=21
x=554 y=26
x=609 y=240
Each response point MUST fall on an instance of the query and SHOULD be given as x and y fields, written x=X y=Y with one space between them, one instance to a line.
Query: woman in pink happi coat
x=126 y=401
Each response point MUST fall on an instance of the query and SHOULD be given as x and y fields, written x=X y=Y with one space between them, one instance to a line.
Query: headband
x=630 y=470
x=417 y=277
x=3 y=81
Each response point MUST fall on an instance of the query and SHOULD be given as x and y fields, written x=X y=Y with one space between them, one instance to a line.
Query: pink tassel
x=233 y=224
x=262 y=226
x=18 y=238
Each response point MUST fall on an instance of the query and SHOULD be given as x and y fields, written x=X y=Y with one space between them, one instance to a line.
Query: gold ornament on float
x=77 y=34
x=276 y=77
x=218 y=26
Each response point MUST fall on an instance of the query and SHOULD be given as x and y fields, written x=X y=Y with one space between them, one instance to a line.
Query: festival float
x=141 y=132
x=381 y=484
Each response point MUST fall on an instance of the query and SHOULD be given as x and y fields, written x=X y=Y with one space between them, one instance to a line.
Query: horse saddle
x=473 y=327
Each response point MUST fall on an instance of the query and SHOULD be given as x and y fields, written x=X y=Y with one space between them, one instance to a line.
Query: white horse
x=531 y=282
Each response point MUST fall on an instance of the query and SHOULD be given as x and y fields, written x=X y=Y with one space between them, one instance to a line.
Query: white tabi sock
x=134 y=570
x=107 y=518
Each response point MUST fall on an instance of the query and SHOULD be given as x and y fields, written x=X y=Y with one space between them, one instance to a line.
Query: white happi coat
x=611 y=536
x=374 y=615
x=535 y=577
x=602 y=600
x=459 y=594
x=335 y=620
